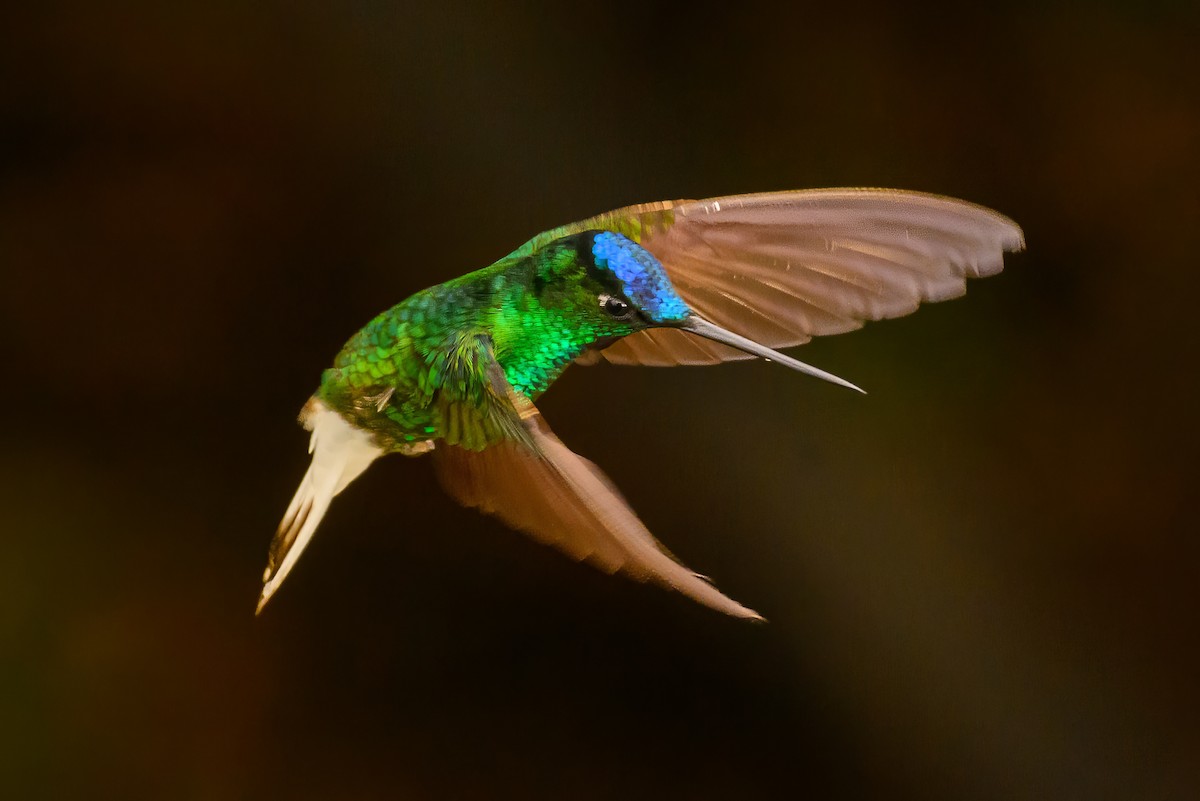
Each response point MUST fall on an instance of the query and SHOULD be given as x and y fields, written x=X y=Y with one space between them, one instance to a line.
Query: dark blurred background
x=982 y=579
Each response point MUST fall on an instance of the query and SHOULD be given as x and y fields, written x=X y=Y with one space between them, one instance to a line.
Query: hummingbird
x=453 y=371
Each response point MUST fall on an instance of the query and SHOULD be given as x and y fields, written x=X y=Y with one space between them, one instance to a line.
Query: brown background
x=982 y=579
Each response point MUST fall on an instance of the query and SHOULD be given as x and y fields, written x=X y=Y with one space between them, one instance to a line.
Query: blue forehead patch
x=642 y=277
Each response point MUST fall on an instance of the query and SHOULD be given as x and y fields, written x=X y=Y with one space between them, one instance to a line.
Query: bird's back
x=387 y=376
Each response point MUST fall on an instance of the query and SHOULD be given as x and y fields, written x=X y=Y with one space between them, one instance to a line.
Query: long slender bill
x=701 y=327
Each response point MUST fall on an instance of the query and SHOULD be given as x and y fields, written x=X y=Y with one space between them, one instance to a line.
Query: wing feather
x=536 y=484
x=783 y=267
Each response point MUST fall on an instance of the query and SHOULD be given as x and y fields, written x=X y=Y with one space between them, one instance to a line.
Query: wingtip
x=735 y=609
x=749 y=615
x=746 y=614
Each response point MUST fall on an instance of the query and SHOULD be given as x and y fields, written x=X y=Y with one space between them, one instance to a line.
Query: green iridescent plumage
x=455 y=369
x=405 y=376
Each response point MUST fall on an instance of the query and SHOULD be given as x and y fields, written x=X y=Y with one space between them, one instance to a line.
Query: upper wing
x=783 y=267
x=534 y=483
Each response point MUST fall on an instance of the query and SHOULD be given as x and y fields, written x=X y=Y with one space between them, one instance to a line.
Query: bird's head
x=623 y=289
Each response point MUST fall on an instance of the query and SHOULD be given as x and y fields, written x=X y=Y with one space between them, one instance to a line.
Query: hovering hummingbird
x=454 y=370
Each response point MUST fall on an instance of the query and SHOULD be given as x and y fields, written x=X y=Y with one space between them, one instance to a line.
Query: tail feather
x=340 y=453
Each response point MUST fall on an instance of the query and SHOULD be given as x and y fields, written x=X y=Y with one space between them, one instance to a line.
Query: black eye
x=615 y=307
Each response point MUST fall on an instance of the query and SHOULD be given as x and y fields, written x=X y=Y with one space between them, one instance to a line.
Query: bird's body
x=455 y=368
x=425 y=347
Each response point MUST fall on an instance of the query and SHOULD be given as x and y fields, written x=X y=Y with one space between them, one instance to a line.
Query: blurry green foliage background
x=982 y=578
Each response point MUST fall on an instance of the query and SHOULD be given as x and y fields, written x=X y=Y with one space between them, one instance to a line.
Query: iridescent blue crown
x=642 y=277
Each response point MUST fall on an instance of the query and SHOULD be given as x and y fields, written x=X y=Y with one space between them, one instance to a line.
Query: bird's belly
x=398 y=417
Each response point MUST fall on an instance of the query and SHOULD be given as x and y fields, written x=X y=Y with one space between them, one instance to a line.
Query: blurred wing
x=537 y=485
x=783 y=267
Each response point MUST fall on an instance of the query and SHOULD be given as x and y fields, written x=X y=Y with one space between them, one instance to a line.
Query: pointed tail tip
x=264 y=595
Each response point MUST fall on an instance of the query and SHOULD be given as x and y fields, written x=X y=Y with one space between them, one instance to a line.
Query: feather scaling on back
x=455 y=369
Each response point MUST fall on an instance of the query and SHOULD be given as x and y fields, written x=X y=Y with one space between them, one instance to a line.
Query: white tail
x=340 y=452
